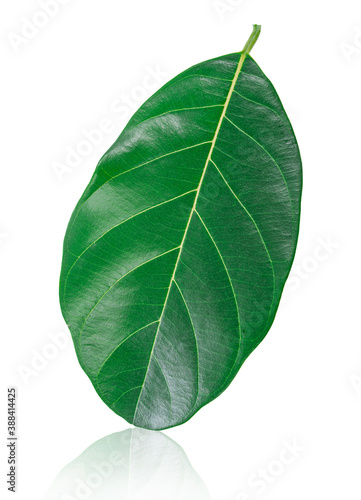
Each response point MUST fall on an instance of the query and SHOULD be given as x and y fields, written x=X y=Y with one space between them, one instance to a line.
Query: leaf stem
x=252 y=39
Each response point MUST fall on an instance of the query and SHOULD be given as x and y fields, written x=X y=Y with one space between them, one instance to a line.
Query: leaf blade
x=210 y=249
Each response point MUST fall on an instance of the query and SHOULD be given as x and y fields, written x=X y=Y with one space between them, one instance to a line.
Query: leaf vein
x=268 y=153
x=166 y=383
x=117 y=225
x=121 y=343
x=260 y=104
x=228 y=275
x=120 y=279
x=194 y=333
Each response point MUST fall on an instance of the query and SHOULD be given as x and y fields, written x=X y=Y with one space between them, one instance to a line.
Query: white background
x=303 y=382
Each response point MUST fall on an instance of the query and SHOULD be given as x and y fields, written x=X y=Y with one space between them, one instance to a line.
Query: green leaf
x=177 y=253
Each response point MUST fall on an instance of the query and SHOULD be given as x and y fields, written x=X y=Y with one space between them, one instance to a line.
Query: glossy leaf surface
x=177 y=253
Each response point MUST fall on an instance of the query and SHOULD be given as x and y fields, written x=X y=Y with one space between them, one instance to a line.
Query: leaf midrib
x=211 y=149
